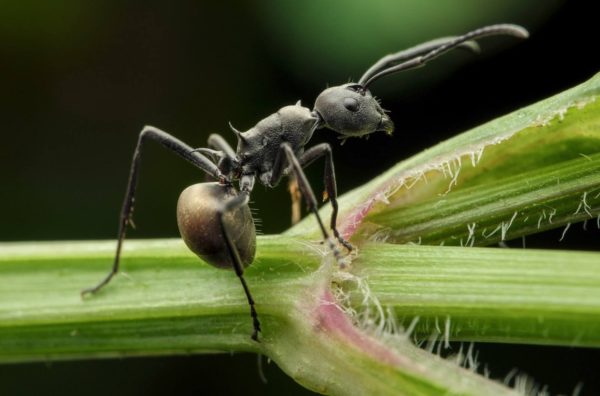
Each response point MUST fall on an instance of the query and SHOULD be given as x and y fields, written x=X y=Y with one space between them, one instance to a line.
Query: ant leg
x=176 y=146
x=277 y=172
x=308 y=158
x=305 y=189
x=218 y=149
x=223 y=154
x=242 y=199
x=295 y=196
x=217 y=142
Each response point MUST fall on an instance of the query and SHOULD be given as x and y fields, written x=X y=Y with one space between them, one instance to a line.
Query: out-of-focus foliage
x=341 y=35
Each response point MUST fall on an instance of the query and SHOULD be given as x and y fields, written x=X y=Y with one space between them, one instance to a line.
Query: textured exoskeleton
x=214 y=218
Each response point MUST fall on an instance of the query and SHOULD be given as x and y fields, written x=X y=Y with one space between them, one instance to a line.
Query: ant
x=214 y=218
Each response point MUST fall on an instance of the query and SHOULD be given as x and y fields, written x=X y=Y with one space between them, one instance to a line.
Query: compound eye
x=351 y=104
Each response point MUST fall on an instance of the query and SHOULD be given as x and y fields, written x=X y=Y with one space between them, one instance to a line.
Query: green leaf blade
x=498 y=210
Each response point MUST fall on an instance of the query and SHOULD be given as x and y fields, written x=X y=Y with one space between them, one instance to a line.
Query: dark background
x=78 y=80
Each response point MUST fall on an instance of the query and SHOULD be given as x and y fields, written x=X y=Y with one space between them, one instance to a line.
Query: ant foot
x=346 y=244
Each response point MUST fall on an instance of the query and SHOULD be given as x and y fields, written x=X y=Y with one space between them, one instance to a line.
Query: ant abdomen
x=198 y=221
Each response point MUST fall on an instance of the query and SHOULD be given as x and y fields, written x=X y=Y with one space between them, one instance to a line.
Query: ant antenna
x=395 y=58
x=420 y=55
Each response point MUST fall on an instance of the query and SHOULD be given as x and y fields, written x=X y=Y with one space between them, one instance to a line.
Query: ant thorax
x=259 y=147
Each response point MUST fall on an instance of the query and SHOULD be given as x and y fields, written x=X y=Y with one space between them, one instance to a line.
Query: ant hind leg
x=169 y=142
x=231 y=205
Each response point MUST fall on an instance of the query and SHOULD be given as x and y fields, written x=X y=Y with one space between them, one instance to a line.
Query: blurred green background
x=78 y=80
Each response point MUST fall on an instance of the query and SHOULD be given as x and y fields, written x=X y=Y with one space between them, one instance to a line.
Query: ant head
x=352 y=111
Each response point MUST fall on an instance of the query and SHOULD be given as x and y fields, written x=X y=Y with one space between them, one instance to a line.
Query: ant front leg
x=176 y=146
x=308 y=158
x=305 y=189
x=246 y=185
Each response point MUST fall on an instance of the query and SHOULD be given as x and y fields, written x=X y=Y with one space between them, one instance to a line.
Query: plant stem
x=171 y=303
x=164 y=301
x=488 y=294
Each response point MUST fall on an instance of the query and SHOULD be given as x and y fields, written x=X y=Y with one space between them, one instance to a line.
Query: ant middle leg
x=171 y=143
x=286 y=151
x=307 y=158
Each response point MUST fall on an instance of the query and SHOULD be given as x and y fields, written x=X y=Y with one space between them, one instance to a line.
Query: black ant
x=214 y=218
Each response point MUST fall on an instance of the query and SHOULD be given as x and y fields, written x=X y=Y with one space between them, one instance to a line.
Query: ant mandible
x=273 y=148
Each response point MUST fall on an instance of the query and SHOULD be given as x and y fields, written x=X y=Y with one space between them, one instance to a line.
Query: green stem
x=165 y=301
x=487 y=294
x=171 y=303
